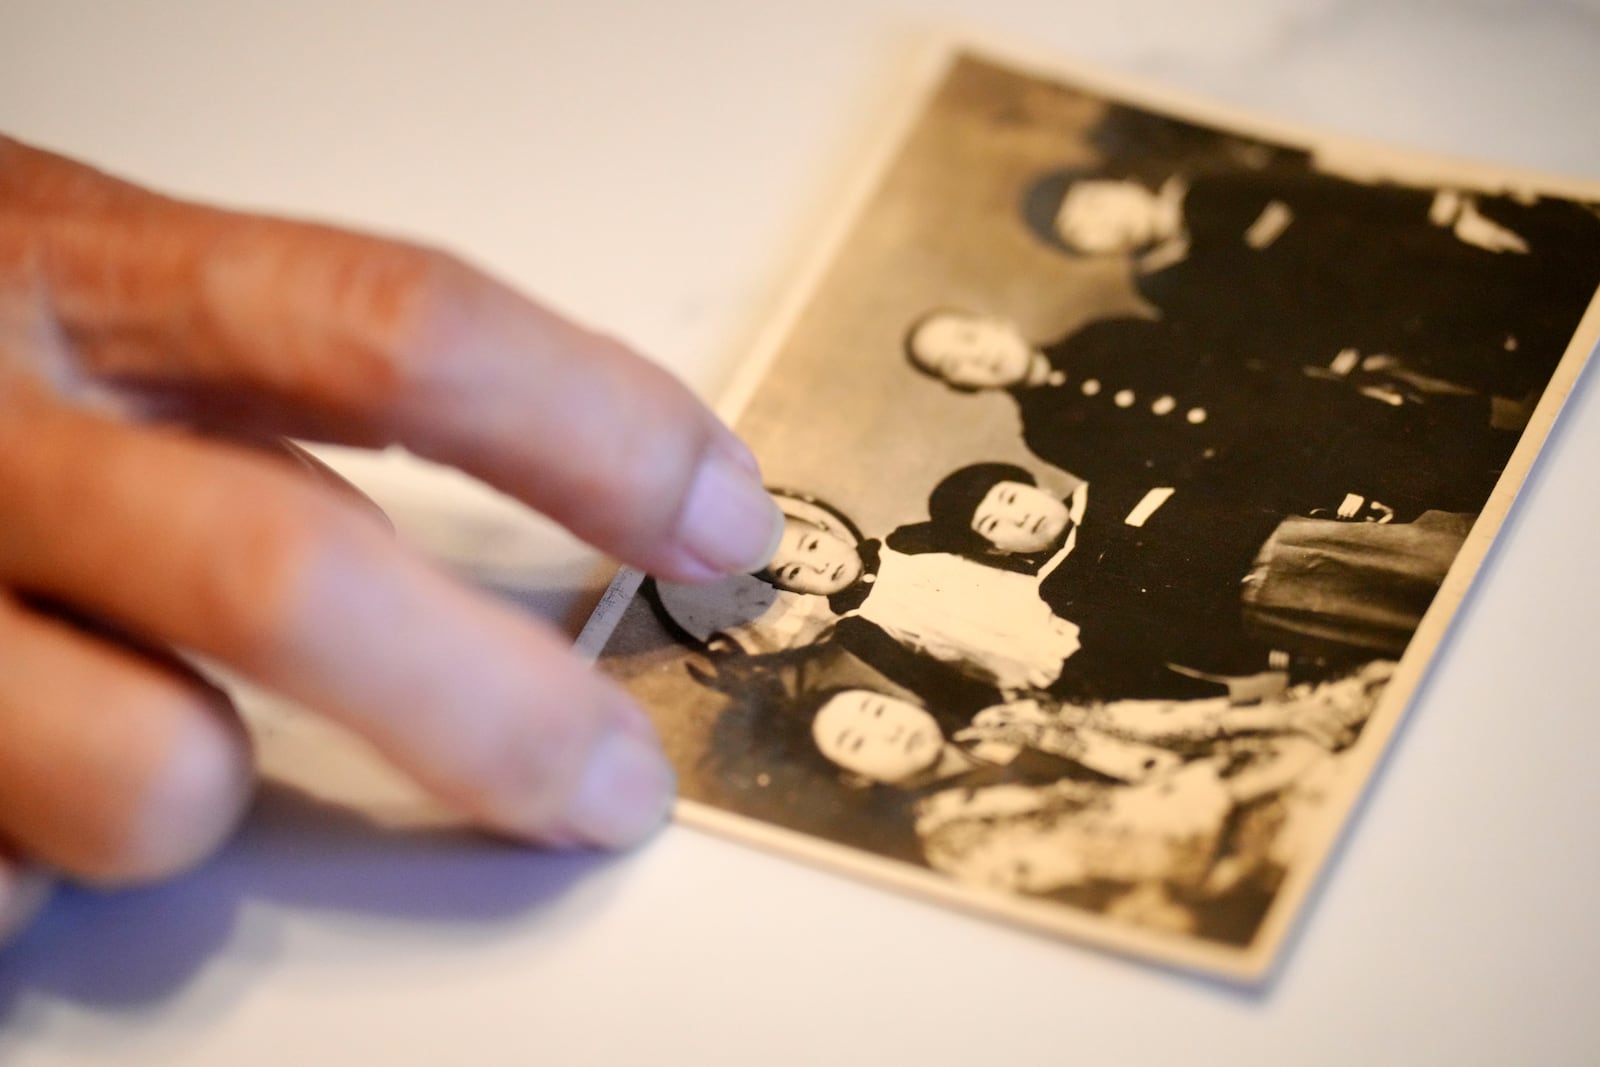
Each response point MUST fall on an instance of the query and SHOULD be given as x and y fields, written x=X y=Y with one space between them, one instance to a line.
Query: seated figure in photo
x=1030 y=795
x=882 y=739
x=892 y=740
x=1176 y=849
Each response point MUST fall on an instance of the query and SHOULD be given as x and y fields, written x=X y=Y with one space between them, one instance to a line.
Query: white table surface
x=660 y=168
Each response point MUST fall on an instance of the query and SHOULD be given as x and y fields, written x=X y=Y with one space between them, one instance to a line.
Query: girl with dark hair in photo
x=939 y=607
x=1157 y=601
x=1203 y=592
x=997 y=514
x=823 y=594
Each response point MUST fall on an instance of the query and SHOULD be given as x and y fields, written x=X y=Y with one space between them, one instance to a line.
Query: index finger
x=365 y=340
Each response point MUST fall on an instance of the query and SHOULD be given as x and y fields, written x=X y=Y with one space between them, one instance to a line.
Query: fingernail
x=625 y=793
x=730 y=524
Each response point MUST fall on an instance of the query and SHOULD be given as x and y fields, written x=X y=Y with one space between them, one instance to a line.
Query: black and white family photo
x=1124 y=456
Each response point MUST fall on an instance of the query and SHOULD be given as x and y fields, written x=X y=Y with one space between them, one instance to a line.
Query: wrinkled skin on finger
x=148 y=347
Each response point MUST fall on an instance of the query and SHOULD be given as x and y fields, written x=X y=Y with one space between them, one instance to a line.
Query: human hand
x=1017 y=722
x=147 y=348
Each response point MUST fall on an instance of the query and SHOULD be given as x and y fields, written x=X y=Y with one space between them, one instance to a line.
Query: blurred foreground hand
x=153 y=353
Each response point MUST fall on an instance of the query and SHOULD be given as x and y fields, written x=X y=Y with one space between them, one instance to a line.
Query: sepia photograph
x=1135 y=460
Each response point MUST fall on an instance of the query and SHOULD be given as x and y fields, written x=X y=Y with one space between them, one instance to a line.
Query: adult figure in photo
x=1422 y=291
x=990 y=802
x=1134 y=405
x=849 y=762
x=892 y=740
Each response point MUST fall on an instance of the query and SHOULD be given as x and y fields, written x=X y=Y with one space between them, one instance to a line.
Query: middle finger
x=230 y=555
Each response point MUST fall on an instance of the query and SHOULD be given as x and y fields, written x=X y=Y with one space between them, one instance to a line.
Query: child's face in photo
x=1020 y=518
x=811 y=560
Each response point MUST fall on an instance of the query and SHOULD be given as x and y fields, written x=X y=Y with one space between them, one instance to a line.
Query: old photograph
x=1135 y=461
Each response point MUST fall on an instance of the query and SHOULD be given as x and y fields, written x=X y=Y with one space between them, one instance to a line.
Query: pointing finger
x=366 y=341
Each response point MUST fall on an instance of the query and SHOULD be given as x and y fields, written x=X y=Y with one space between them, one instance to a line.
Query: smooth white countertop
x=659 y=169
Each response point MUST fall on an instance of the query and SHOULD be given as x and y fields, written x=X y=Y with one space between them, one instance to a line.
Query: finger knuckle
x=343 y=318
x=399 y=304
x=249 y=591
